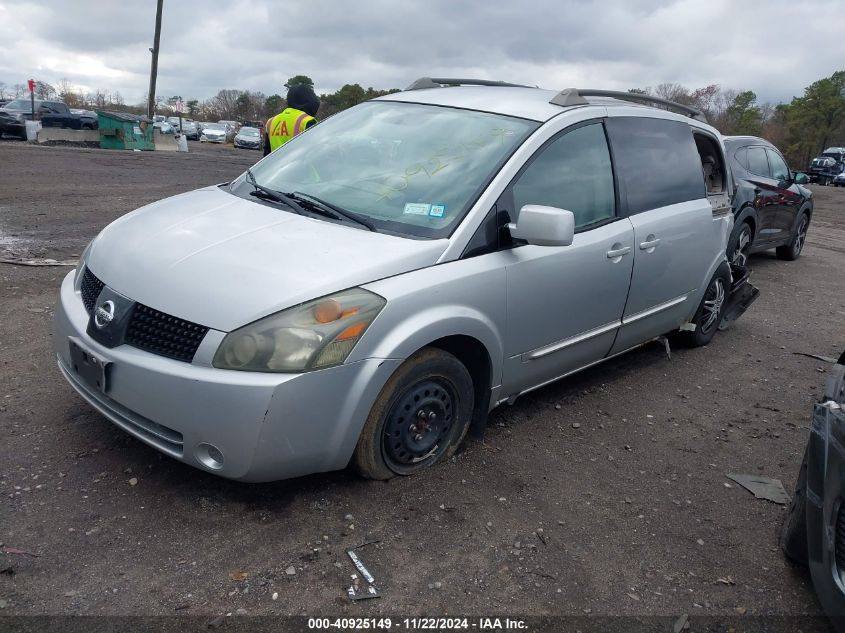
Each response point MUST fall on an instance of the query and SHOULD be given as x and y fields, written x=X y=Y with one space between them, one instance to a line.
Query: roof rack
x=575 y=96
x=439 y=82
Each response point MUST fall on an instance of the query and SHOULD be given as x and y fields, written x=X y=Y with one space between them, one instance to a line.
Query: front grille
x=840 y=539
x=149 y=329
x=90 y=288
x=162 y=334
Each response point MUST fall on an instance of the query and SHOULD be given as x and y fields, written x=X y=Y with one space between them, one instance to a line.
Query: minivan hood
x=222 y=261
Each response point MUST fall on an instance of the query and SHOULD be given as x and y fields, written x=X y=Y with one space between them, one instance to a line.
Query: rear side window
x=757 y=163
x=572 y=172
x=657 y=162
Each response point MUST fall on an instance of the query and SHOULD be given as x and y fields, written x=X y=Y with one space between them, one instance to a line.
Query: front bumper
x=213 y=139
x=267 y=426
x=11 y=126
x=826 y=497
x=246 y=145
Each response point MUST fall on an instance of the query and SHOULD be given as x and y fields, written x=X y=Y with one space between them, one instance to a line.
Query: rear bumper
x=740 y=297
x=267 y=426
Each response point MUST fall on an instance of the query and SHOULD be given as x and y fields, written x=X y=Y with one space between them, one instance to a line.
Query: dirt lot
x=601 y=494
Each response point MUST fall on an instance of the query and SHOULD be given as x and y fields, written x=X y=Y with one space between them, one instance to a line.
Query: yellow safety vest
x=285 y=125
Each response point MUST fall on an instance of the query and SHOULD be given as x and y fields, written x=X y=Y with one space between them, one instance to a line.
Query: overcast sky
x=774 y=47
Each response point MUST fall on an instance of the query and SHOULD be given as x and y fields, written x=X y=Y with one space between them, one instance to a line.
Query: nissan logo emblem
x=104 y=314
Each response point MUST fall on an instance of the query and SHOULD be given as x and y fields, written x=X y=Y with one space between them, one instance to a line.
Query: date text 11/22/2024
x=417 y=624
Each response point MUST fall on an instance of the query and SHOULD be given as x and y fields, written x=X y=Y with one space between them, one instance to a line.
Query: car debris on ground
x=763 y=487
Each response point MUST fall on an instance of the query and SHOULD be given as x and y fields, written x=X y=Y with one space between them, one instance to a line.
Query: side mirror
x=544 y=226
x=801 y=178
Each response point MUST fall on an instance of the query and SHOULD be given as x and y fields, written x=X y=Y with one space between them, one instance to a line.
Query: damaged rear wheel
x=709 y=313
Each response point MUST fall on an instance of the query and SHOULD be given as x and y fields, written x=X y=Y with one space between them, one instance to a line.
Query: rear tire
x=792 y=251
x=420 y=417
x=793 y=535
x=709 y=314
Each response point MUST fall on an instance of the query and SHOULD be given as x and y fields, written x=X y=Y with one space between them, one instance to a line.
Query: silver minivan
x=372 y=289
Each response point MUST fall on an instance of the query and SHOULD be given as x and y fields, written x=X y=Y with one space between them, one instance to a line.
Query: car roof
x=523 y=102
x=741 y=141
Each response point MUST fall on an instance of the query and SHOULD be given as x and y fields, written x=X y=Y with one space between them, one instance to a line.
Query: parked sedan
x=371 y=290
x=190 y=129
x=772 y=207
x=814 y=530
x=164 y=127
x=248 y=138
x=213 y=133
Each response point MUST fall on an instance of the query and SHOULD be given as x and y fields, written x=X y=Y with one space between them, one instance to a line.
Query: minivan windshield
x=408 y=168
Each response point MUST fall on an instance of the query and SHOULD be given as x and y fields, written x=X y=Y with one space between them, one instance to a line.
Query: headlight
x=314 y=335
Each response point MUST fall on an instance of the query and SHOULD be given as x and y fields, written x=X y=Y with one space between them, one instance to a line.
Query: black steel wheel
x=421 y=416
x=419 y=425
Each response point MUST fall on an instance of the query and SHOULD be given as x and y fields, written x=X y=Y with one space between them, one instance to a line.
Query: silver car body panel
x=260 y=258
x=558 y=322
x=224 y=261
x=268 y=426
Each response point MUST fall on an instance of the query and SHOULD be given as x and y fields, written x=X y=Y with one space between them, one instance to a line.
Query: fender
x=747 y=211
x=459 y=298
x=417 y=329
x=807 y=208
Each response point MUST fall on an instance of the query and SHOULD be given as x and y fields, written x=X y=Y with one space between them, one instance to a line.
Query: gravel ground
x=603 y=494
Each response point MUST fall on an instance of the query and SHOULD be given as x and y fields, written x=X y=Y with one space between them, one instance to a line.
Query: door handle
x=644 y=246
x=618 y=252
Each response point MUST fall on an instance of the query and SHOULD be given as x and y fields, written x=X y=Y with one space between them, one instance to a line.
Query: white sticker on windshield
x=437 y=210
x=417 y=208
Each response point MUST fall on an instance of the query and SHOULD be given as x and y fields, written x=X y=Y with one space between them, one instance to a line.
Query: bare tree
x=672 y=92
x=69 y=94
x=226 y=103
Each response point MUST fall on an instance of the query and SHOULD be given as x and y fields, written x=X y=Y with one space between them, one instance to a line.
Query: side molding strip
x=567 y=342
x=654 y=310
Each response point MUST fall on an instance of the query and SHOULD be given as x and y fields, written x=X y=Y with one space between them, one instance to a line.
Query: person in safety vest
x=299 y=115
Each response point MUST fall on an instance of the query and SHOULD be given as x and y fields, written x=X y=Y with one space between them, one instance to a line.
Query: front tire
x=709 y=314
x=793 y=535
x=420 y=417
x=792 y=251
x=740 y=245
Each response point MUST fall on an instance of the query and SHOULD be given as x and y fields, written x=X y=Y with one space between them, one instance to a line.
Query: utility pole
x=151 y=103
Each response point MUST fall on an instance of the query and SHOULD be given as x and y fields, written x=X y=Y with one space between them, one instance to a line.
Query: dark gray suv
x=772 y=208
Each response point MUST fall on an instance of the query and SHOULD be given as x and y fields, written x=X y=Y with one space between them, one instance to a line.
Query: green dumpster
x=124 y=130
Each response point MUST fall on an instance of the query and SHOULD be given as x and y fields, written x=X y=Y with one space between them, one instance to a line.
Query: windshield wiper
x=331 y=210
x=272 y=194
